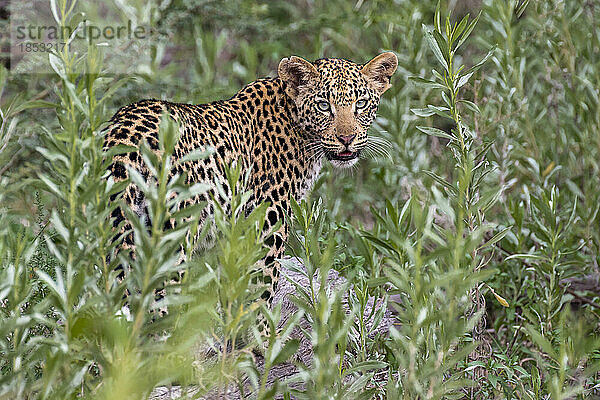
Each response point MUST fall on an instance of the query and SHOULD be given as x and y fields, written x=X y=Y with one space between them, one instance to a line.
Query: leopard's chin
x=344 y=164
x=344 y=159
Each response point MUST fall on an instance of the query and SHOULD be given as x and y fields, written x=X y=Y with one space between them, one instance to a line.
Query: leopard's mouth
x=345 y=155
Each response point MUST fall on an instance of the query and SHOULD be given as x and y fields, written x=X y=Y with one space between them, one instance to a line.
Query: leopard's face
x=336 y=102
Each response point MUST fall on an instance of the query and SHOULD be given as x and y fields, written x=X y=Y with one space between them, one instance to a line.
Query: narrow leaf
x=418 y=81
x=500 y=299
x=468 y=31
x=497 y=237
x=471 y=106
x=435 y=132
x=460 y=27
x=525 y=256
x=422 y=112
x=441 y=181
x=435 y=48
x=541 y=341
x=482 y=61
x=195 y=155
x=463 y=79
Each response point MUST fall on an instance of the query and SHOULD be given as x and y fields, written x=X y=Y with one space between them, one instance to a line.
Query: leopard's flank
x=280 y=130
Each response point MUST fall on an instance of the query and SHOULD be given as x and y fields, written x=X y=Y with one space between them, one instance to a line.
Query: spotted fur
x=280 y=129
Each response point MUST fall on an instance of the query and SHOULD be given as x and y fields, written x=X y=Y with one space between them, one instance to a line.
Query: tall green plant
x=467 y=196
x=336 y=370
x=432 y=310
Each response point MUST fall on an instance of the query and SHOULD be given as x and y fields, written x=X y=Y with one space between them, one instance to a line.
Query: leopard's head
x=336 y=102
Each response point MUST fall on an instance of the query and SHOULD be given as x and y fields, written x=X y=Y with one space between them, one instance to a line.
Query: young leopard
x=280 y=129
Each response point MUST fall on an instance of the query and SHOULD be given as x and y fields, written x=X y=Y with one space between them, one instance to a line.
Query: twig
x=509 y=351
x=581 y=298
x=9 y=163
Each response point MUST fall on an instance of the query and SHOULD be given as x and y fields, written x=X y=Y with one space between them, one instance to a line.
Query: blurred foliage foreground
x=480 y=229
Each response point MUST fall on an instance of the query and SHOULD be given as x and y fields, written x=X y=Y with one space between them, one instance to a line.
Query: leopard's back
x=201 y=127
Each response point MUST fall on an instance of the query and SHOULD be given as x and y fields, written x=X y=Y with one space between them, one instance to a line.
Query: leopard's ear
x=379 y=70
x=296 y=72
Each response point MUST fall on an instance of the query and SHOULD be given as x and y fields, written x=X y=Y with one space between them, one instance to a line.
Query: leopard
x=280 y=130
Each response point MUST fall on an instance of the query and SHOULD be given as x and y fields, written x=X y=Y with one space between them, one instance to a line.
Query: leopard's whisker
x=379 y=147
x=317 y=156
x=379 y=151
x=312 y=147
x=313 y=150
x=313 y=144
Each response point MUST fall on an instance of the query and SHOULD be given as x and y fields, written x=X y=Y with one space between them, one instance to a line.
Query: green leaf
x=435 y=48
x=289 y=349
x=460 y=28
x=471 y=106
x=482 y=61
x=441 y=111
x=57 y=65
x=418 y=81
x=572 y=216
x=525 y=257
x=379 y=242
x=496 y=238
x=536 y=382
x=521 y=8
x=31 y=104
x=463 y=80
x=491 y=199
x=53 y=156
x=468 y=31
x=59 y=226
x=57 y=287
x=195 y=155
x=442 y=44
x=435 y=132
x=117 y=150
x=55 y=13
x=366 y=366
x=422 y=112
x=137 y=179
x=474 y=364
x=74 y=97
x=574 y=188
x=541 y=341
x=437 y=17
x=113 y=88
x=52 y=186
x=442 y=181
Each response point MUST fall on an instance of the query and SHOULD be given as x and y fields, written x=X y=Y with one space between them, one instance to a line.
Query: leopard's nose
x=346 y=140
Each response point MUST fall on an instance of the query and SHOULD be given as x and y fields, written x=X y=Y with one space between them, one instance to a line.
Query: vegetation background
x=481 y=218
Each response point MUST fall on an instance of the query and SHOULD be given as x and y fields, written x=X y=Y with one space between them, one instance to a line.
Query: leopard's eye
x=323 y=105
x=361 y=104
